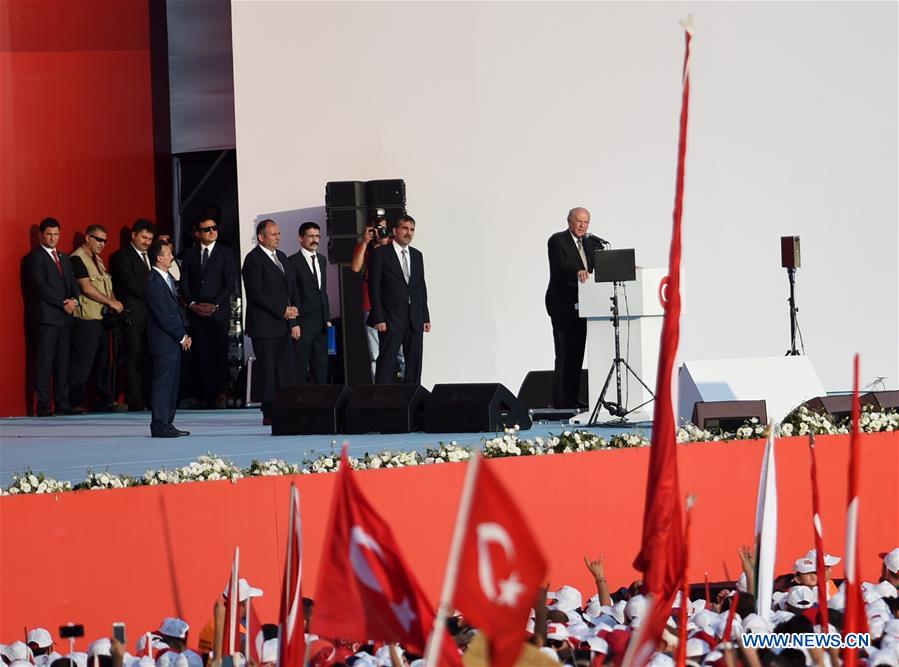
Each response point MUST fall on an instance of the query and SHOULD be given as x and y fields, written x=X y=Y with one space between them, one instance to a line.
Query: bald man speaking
x=570 y=262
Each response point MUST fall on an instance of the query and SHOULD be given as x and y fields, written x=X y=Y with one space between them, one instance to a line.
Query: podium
x=640 y=314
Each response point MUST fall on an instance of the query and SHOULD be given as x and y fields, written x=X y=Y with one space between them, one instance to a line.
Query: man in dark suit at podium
x=51 y=296
x=399 y=303
x=310 y=283
x=167 y=338
x=271 y=313
x=208 y=279
x=570 y=262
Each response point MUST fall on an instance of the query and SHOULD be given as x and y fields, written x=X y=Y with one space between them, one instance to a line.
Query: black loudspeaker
x=346 y=221
x=345 y=194
x=536 y=389
x=340 y=249
x=789 y=252
x=840 y=407
x=389 y=193
x=474 y=408
x=885 y=400
x=310 y=409
x=387 y=408
x=727 y=415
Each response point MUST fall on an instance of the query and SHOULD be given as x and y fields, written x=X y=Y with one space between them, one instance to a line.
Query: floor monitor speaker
x=719 y=416
x=310 y=409
x=387 y=408
x=536 y=389
x=474 y=408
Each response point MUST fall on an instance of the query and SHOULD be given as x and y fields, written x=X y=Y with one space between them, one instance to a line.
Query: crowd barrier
x=137 y=555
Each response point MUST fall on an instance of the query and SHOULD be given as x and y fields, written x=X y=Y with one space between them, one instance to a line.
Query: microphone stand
x=617 y=408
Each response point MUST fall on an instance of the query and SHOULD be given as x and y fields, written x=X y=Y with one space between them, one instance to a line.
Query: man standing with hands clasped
x=271 y=313
x=167 y=338
x=399 y=303
x=570 y=262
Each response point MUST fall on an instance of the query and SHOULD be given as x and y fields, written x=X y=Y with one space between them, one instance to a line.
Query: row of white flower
x=509 y=443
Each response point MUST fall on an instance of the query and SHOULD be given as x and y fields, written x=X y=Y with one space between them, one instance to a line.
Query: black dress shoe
x=165 y=433
x=180 y=432
x=44 y=412
x=65 y=411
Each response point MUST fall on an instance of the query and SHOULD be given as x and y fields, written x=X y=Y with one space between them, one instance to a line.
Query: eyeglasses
x=211 y=228
x=98 y=239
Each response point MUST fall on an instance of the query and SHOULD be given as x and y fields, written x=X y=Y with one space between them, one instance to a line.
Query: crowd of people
x=564 y=627
x=149 y=312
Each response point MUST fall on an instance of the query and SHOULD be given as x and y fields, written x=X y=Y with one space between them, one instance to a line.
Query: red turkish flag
x=365 y=590
x=291 y=636
x=500 y=568
x=661 y=557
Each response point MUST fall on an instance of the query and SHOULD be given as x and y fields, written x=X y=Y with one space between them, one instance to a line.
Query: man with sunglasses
x=90 y=339
x=208 y=279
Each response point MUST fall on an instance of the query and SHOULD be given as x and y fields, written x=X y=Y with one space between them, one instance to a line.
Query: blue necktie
x=170 y=281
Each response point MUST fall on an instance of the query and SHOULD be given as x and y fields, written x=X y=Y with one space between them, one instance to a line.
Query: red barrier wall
x=141 y=554
x=76 y=131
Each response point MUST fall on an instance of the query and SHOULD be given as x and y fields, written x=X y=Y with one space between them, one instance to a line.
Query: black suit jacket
x=392 y=300
x=269 y=292
x=165 y=323
x=129 y=277
x=215 y=284
x=315 y=310
x=45 y=289
x=564 y=263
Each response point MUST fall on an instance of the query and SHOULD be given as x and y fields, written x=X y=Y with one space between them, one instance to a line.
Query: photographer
x=376 y=234
x=96 y=314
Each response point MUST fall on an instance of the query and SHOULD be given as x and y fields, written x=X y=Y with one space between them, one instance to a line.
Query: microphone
x=602 y=242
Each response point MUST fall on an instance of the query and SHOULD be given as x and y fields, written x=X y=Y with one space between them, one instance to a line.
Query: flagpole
x=823 y=616
x=246 y=642
x=232 y=600
x=452 y=563
x=287 y=570
x=766 y=529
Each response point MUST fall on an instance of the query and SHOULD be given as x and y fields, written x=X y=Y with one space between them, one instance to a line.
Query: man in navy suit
x=208 y=279
x=167 y=337
x=310 y=283
x=271 y=313
x=570 y=262
x=399 y=303
x=51 y=296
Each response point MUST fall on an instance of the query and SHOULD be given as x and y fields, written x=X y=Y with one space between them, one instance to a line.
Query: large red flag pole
x=854 y=615
x=823 y=618
x=452 y=564
x=661 y=552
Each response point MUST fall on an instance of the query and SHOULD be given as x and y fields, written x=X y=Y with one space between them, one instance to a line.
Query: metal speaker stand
x=617 y=408
x=792 y=352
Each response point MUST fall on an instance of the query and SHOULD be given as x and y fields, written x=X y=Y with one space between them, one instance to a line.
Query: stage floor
x=66 y=447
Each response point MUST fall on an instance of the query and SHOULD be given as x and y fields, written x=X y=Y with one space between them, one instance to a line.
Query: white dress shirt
x=311 y=257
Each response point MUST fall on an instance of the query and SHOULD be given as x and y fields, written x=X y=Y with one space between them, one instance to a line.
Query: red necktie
x=56 y=259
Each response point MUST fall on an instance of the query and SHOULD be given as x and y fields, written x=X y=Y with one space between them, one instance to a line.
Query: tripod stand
x=792 y=352
x=618 y=409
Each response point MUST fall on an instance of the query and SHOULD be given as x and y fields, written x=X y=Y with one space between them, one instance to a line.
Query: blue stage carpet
x=66 y=447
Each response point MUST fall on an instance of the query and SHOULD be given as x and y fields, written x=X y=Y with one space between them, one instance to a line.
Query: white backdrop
x=502 y=116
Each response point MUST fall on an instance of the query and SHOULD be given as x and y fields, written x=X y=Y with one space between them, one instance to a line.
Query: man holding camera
x=376 y=234
x=91 y=333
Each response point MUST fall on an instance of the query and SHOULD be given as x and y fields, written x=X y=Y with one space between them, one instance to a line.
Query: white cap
x=593 y=608
x=804 y=566
x=244 y=590
x=269 y=651
x=891 y=560
x=705 y=621
x=364 y=659
x=780 y=616
x=20 y=663
x=829 y=561
x=635 y=609
x=99 y=647
x=567 y=598
x=883 y=658
x=661 y=660
x=597 y=645
x=891 y=628
x=742 y=583
x=837 y=601
x=78 y=658
x=18 y=650
x=174 y=627
x=39 y=636
x=756 y=625
x=697 y=648
x=801 y=597
x=556 y=631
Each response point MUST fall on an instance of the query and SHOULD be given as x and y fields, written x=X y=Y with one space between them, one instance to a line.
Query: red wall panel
x=141 y=554
x=76 y=131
